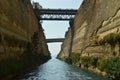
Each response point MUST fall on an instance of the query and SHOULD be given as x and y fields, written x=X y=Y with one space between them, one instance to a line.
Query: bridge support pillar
x=71 y=23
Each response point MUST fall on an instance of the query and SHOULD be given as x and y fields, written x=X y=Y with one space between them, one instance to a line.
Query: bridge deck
x=58 y=11
x=55 y=14
x=55 y=40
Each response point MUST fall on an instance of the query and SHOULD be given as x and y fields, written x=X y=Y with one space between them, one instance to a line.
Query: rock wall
x=97 y=37
x=22 y=41
x=65 y=47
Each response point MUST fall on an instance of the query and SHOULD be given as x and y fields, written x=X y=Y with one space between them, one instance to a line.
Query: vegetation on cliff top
x=111 y=66
x=73 y=59
x=88 y=61
x=111 y=39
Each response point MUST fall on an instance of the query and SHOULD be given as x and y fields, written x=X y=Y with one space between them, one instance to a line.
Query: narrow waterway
x=55 y=69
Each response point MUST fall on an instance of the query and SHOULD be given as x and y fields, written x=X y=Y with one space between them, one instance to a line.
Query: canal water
x=55 y=69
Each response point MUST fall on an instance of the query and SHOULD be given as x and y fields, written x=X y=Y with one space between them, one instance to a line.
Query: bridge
x=55 y=14
x=55 y=40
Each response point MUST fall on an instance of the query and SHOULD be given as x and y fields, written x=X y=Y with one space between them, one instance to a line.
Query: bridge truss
x=55 y=40
x=55 y=14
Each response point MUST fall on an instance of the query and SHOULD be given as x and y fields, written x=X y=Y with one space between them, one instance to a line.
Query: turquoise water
x=55 y=69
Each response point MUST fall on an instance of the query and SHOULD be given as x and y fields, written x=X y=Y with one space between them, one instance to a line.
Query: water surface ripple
x=55 y=69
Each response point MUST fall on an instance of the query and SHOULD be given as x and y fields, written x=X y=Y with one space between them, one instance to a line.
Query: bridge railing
x=55 y=14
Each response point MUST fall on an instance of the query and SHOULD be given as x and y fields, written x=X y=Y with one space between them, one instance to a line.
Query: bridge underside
x=55 y=14
x=55 y=40
x=56 y=17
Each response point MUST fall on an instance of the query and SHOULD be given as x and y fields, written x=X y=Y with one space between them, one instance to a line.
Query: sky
x=57 y=29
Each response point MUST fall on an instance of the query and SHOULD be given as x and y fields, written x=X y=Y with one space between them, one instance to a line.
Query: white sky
x=57 y=29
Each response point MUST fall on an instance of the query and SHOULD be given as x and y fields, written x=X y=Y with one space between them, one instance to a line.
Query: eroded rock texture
x=96 y=37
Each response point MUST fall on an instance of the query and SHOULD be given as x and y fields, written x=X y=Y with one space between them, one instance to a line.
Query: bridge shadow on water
x=55 y=69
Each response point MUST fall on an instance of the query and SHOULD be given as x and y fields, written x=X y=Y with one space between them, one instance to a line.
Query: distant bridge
x=55 y=40
x=55 y=14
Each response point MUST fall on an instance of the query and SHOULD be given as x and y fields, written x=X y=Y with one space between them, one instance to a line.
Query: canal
x=55 y=69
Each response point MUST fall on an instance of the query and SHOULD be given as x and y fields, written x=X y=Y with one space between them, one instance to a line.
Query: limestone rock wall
x=97 y=36
x=94 y=21
x=22 y=40
x=65 y=47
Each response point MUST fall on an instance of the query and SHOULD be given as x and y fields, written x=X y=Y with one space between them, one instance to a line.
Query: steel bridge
x=55 y=14
x=55 y=40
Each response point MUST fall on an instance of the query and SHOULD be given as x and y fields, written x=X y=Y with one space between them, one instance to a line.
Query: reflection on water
x=55 y=69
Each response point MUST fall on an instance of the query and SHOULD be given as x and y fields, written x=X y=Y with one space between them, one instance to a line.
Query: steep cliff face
x=65 y=47
x=97 y=37
x=22 y=41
